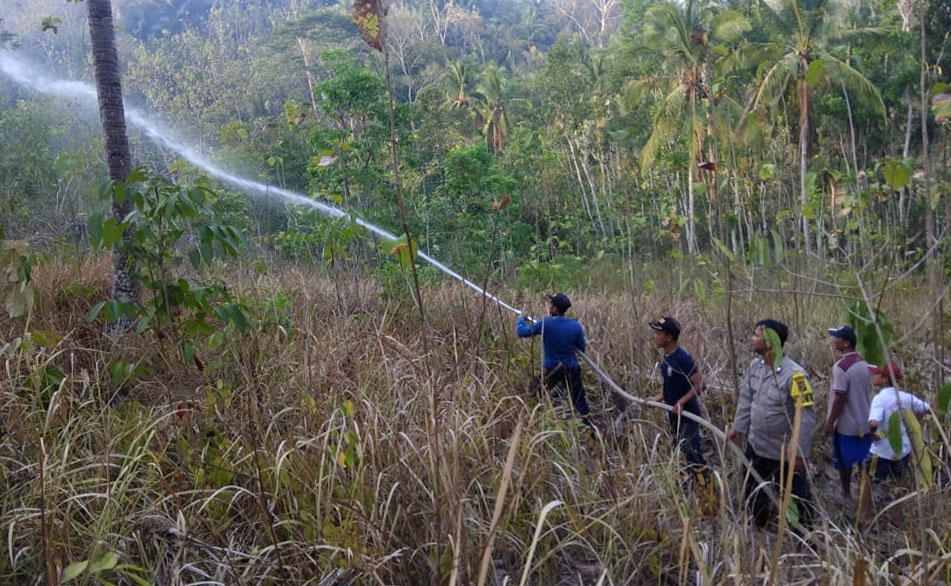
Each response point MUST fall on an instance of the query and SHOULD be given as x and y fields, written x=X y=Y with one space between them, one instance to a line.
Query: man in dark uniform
x=682 y=385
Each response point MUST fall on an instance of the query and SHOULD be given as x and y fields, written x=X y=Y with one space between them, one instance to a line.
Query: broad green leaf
x=767 y=171
x=111 y=311
x=792 y=514
x=809 y=211
x=895 y=174
x=238 y=318
x=95 y=231
x=18 y=300
x=772 y=340
x=367 y=16
x=868 y=342
x=94 y=312
x=403 y=251
x=46 y=339
x=924 y=469
x=347 y=408
x=137 y=175
x=779 y=249
x=72 y=571
x=944 y=398
x=894 y=433
x=699 y=290
x=189 y=352
x=194 y=256
x=106 y=562
x=814 y=72
x=726 y=251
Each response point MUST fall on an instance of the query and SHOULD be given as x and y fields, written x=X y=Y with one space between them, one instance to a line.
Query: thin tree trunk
x=903 y=193
x=310 y=78
x=691 y=164
x=583 y=155
x=804 y=135
x=935 y=287
x=116 y=139
x=584 y=192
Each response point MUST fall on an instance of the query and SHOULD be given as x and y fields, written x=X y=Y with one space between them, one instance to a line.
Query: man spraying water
x=561 y=338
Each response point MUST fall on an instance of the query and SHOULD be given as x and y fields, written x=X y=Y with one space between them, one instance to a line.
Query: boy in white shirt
x=883 y=462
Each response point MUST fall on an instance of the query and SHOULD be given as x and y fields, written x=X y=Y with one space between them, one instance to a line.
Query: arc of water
x=30 y=76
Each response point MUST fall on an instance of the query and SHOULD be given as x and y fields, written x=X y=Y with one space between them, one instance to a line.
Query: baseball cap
x=668 y=325
x=559 y=300
x=845 y=333
x=889 y=370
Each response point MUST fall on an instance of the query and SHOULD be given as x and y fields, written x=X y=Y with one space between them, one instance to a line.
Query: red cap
x=890 y=370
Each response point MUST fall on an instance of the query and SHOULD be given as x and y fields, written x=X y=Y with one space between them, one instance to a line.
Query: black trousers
x=687 y=433
x=570 y=377
x=772 y=471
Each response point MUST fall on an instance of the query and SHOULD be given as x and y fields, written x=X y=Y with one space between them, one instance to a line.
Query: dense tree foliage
x=627 y=129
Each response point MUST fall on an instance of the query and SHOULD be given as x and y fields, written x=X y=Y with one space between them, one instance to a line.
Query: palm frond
x=694 y=129
x=640 y=89
x=664 y=131
x=673 y=104
x=869 y=33
x=749 y=55
x=667 y=22
x=853 y=80
x=774 y=22
x=729 y=112
x=730 y=25
x=775 y=77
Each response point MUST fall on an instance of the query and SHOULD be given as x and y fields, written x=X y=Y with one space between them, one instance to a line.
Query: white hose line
x=717 y=432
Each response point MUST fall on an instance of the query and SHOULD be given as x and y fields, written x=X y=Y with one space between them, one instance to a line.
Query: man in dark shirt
x=561 y=337
x=682 y=385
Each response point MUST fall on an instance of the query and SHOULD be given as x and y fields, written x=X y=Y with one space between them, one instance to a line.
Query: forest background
x=717 y=161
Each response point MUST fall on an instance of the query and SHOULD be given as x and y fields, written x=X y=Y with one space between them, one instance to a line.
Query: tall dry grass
x=326 y=448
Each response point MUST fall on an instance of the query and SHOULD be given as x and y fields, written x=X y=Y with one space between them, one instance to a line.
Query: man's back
x=851 y=377
x=887 y=402
x=561 y=337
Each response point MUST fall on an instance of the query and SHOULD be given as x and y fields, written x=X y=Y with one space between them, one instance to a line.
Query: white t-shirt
x=890 y=400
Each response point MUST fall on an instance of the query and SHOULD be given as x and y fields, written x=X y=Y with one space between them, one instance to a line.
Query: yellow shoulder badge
x=800 y=388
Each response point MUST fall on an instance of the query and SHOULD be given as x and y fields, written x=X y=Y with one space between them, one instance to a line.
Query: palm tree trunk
x=112 y=115
x=691 y=240
x=691 y=165
x=805 y=132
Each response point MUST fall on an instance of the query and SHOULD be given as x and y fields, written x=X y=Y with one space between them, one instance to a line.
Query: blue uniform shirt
x=562 y=336
x=677 y=368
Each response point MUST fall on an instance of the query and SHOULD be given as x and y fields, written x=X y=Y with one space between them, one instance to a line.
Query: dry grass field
x=327 y=447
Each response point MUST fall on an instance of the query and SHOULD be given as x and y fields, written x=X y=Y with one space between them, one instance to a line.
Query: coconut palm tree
x=491 y=107
x=683 y=35
x=112 y=115
x=807 y=53
x=458 y=84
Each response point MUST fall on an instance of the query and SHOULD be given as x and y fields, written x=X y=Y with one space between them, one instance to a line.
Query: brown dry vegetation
x=327 y=448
